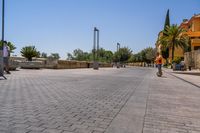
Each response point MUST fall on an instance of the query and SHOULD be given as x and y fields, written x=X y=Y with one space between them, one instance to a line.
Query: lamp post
x=118 y=46
x=96 y=49
x=118 y=49
x=1 y=48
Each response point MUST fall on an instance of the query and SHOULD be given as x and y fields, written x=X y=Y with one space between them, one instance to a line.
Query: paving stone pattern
x=68 y=101
x=173 y=106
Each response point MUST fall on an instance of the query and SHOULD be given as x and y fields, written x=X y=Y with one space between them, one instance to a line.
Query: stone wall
x=53 y=64
x=63 y=64
x=192 y=59
x=141 y=64
x=105 y=65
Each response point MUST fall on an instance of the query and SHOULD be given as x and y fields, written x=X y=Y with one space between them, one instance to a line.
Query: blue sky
x=60 y=26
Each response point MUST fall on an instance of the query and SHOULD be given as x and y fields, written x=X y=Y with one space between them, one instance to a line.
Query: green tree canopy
x=165 y=52
x=174 y=37
x=29 y=52
x=10 y=45
x=165 y=49
x=167 y=20
x=43 y=55
x=54 y=56
x=80 y=55
x=70 y=56
x=150 y=54
x=123 y=55
x=105 y=55
x=146 y=55
x=108 y=56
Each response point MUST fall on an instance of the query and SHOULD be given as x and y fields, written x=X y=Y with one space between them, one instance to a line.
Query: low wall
x=19 y=59
x=56 y=64
x=192 y=59
x=63 y=64
x=31 y=64
x=105 y=65
x=141 y=64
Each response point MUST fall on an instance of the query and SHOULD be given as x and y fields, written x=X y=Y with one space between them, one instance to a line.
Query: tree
x=165 y=49
x=122 y=55
x=69 y=56
x=167 y=21
x=149 y=54
x=146 y=55
x=54 y=56
x=29 y=52
x=38 y=54
x=77 y=52
x=10 y=45
x=44 y=55
x=108 y=56
x=105 y=55
x=165 y=53
x=101 y=53
x=174 y=37
x=80 y=55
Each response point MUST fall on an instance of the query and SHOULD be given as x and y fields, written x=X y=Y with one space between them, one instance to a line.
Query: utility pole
x=1 y=48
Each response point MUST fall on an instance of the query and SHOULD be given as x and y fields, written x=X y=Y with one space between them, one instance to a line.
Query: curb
x=183 y=79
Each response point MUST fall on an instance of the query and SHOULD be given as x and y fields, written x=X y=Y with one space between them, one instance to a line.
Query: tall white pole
x=1 y=48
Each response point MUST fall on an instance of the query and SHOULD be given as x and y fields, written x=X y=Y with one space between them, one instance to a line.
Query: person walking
x=159 y=64
x=6 y=55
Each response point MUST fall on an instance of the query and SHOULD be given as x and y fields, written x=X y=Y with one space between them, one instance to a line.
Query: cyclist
x=159 y=64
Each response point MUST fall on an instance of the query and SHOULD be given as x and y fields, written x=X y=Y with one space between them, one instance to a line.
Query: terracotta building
x=192 y=28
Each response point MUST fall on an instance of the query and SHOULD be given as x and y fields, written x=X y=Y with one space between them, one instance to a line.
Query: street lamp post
x=118 y=46
x=1 y=48
x=96 y=49
x=118 y=49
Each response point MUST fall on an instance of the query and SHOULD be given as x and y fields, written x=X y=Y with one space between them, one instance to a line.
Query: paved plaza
x=110 y=100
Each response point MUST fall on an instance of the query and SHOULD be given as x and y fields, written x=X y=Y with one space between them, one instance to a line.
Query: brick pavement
x=131 y=100
x=64 y=101
x=173 y=106
x=160 y=105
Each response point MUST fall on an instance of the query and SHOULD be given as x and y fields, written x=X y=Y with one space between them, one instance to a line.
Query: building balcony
x=195 y=41
x=193 y=34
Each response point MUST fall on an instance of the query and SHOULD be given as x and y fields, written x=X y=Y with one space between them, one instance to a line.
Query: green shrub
x=29 y=52
x=177 y=60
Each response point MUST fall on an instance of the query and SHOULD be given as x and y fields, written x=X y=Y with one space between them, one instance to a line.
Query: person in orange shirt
x=159 y=64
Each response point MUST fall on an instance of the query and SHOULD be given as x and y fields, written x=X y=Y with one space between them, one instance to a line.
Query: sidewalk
x=160 y=105
x=191 y=77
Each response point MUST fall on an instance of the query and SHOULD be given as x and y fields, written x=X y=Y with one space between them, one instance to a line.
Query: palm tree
x=10 y=45
x=29 y=52
x=174 y=37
